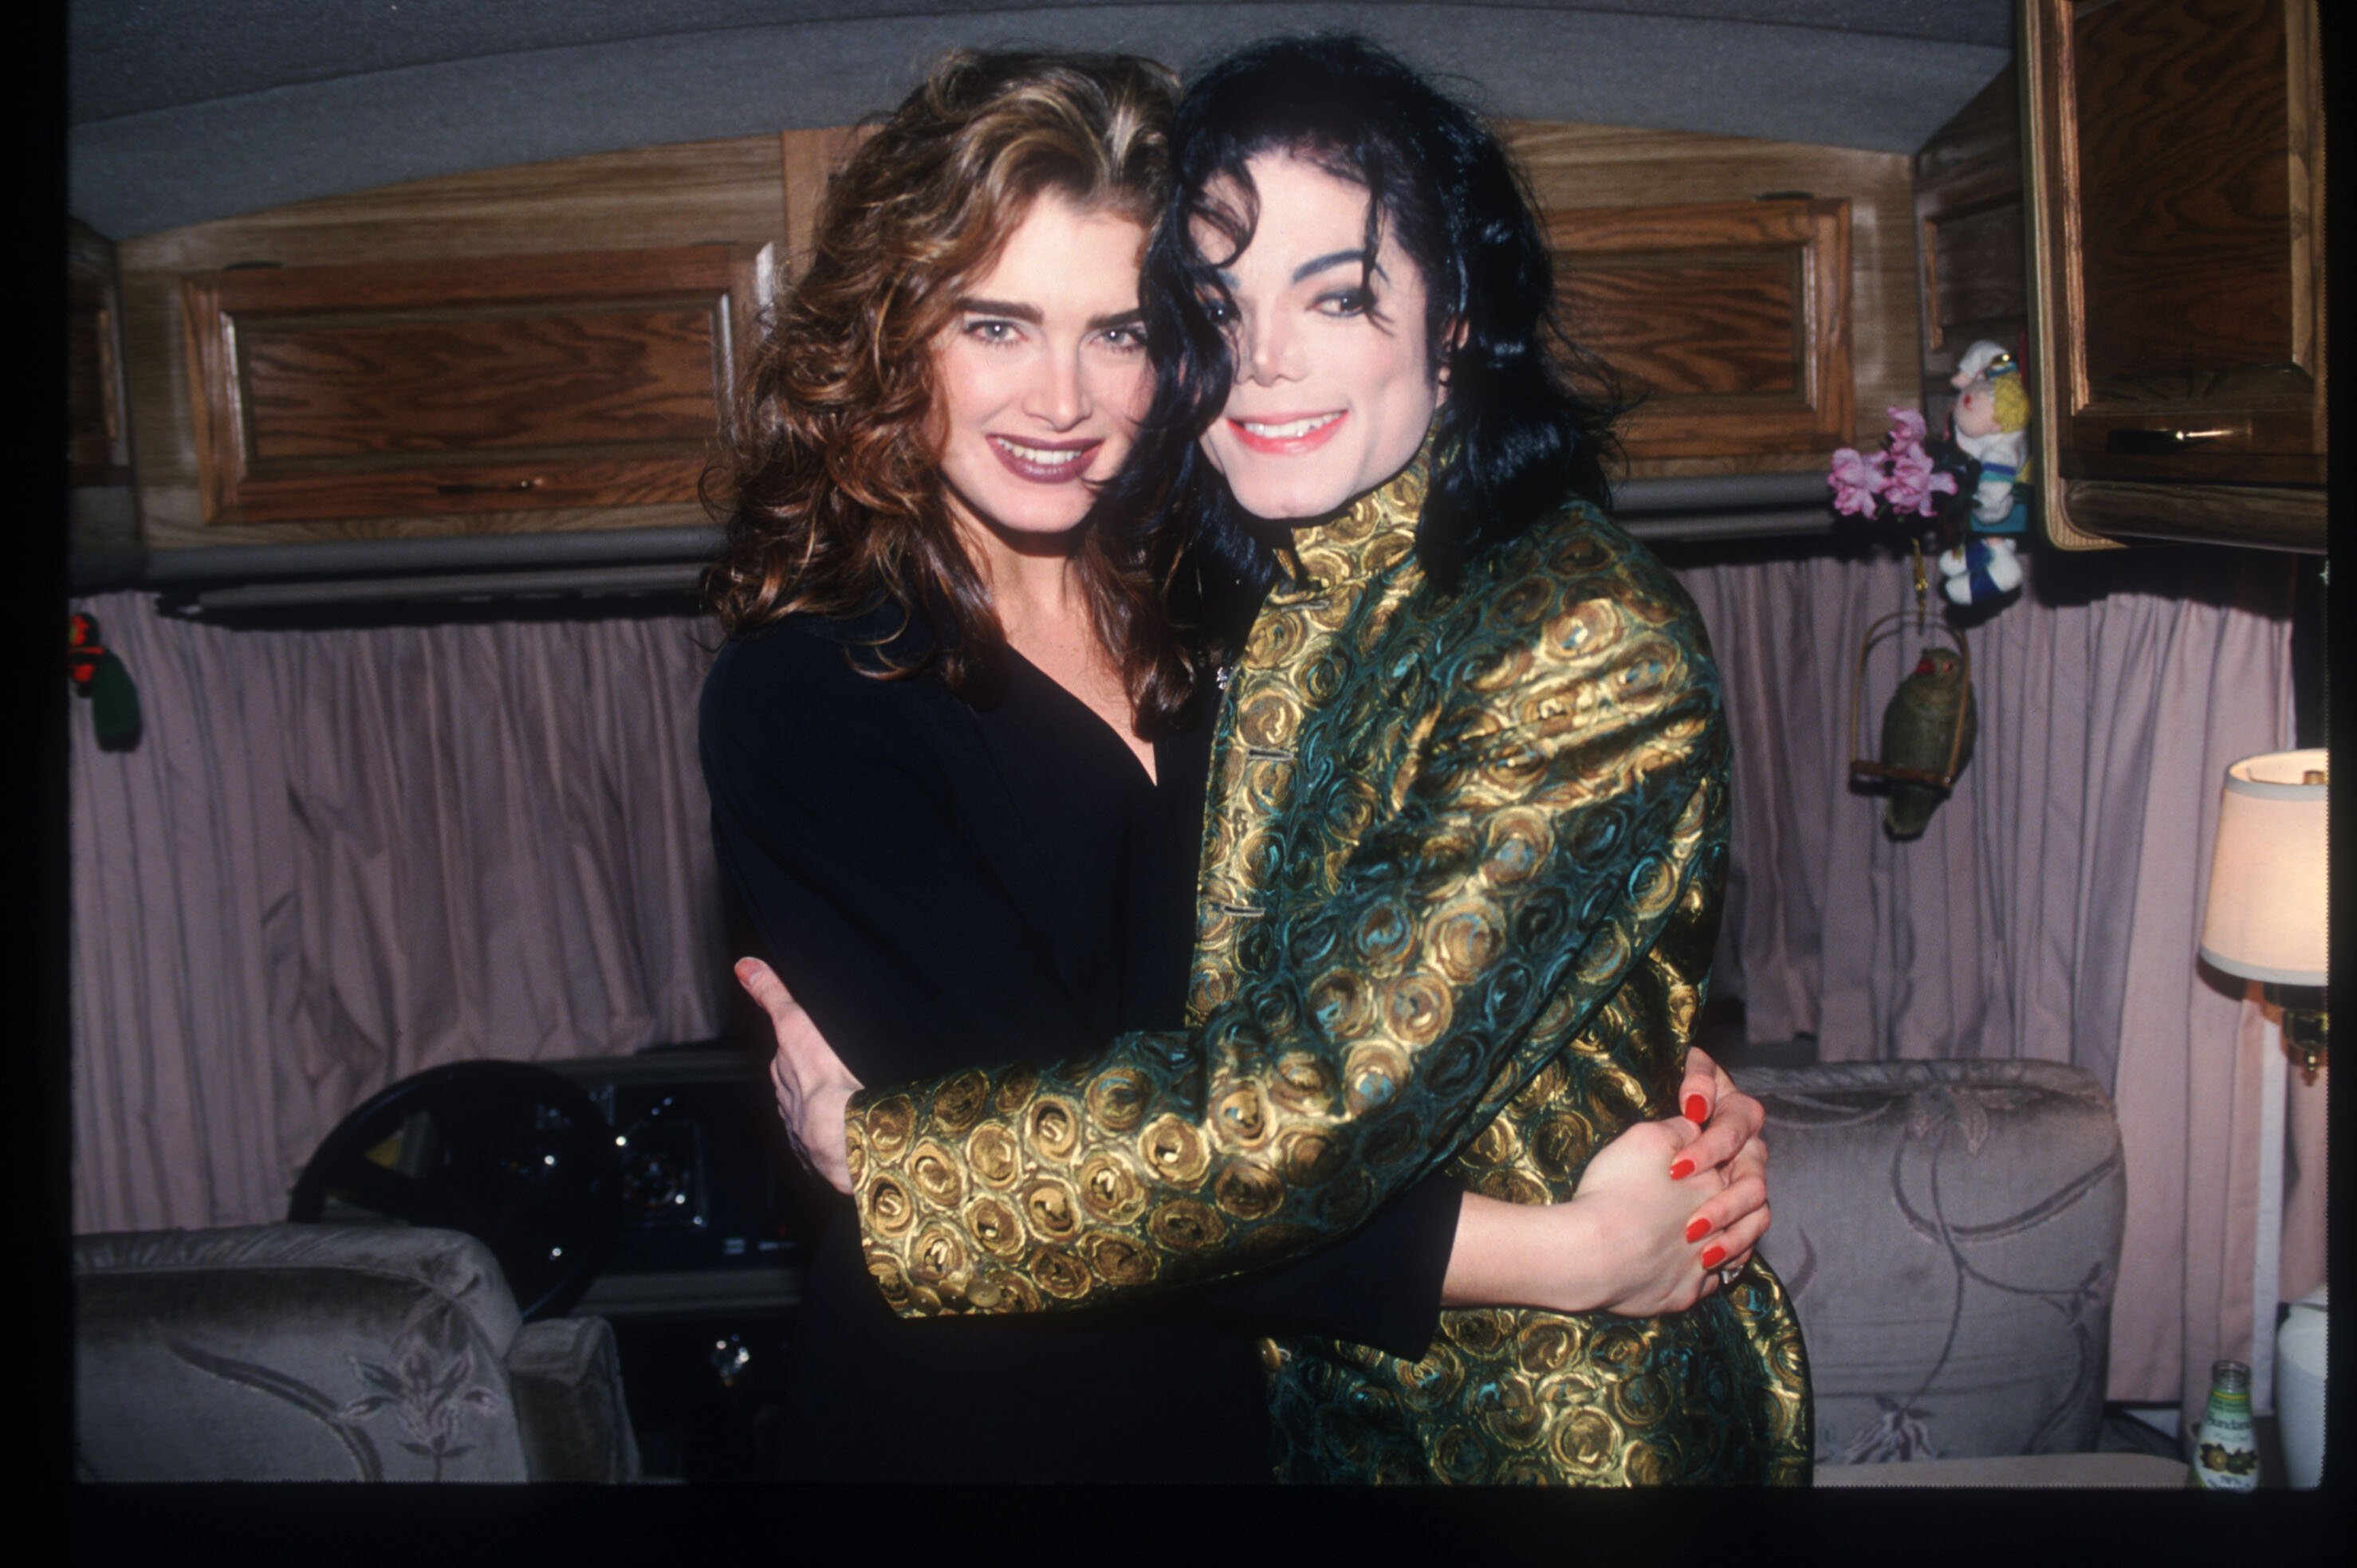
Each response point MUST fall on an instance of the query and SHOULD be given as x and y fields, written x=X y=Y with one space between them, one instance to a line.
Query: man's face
x=1334 y=389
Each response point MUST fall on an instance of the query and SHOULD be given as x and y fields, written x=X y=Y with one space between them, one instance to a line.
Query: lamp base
x=2306 y=1024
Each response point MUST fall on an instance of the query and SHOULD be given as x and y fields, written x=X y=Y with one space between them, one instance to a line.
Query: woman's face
x=1329 y=400
x=1041 y=376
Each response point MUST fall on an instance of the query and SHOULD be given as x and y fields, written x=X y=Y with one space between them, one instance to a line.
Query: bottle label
x=2226 y=1457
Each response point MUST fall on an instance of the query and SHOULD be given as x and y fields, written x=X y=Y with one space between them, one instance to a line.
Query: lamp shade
x=2265 y=919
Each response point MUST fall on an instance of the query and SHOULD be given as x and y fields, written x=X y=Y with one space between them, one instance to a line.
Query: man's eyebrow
x=1008 y=309
x=1119 y=319
x=1337 y=258
x=1310 y=268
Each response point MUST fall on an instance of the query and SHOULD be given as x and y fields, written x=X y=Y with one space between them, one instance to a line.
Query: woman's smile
x=1045 y=462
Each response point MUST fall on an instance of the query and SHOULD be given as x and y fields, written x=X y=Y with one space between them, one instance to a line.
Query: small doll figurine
x=1991 y=422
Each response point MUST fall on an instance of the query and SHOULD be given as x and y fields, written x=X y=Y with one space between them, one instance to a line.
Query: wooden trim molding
x=2051 y=211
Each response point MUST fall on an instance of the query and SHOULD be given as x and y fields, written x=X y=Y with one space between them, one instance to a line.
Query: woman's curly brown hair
x=833 y=494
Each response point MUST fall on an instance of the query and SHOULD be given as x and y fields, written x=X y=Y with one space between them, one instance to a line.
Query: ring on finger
x=1726 y=1276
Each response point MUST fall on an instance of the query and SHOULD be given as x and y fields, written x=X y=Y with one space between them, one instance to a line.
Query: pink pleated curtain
x=340 y=857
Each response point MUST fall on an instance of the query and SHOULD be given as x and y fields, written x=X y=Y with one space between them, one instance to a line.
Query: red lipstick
x=1291 y=446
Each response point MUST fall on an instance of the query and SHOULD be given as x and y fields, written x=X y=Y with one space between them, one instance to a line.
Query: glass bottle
x=2225 y=1454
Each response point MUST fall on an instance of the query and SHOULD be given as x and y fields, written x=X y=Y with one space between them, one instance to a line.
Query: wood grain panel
x=1692 y=330
x=1973 y=241
x=1731 y=320
x=440 y=383
x=466 y=385
x=1573 y=167
x=2183 y=138
x=1973 y=265
x=653 y=198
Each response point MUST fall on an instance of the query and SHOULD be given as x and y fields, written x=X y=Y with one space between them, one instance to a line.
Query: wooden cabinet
x=2175 y=151
x=1729 y=320
x=466 y=385
x=1758 y=295
x=545 y=348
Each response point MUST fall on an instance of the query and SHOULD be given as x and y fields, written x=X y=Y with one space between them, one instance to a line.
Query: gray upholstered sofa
x=321 y=1352
x=1950 y=1232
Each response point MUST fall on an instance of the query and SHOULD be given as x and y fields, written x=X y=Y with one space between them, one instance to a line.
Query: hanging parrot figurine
x=99 y=675
x=1917 y=729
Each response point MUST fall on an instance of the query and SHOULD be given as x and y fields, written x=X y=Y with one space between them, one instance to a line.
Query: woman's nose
x=1059 y=396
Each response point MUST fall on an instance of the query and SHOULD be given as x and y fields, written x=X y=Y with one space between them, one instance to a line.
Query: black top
x=944 y=884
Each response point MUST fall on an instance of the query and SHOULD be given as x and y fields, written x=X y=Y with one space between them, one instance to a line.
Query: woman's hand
x=1731 y=1121
x=813 y=1087
x=1633 y=1239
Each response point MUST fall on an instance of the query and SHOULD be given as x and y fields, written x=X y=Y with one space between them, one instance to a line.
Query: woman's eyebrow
x=1005 y=308
x=1013 y=311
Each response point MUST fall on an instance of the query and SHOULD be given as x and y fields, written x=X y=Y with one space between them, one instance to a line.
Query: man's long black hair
x=1518 y=436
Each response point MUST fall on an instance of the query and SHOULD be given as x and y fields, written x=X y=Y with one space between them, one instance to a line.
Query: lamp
x=2265 y=919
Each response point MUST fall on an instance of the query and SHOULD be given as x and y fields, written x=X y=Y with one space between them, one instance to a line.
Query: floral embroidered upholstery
x=312 y=1352
x=1949 y=1233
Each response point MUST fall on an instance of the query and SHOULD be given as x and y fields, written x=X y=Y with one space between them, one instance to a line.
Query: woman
x=1467 y=833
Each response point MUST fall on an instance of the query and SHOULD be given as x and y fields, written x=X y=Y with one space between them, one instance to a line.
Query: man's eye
x=1347 y=302
x=1127 y=340
x=991 y=331
x=1218 y=311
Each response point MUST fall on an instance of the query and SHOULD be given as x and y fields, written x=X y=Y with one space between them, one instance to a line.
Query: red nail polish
x=1697 y=1228
x=1695 y=1110
x=1711 y=1255
x=1683 y=1169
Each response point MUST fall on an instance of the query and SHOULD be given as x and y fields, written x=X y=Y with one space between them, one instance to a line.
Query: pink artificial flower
x=1855 y=480
x=1913 y=482
x=1907 y=426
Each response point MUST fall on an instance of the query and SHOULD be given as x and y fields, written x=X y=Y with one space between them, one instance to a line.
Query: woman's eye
x=1125 y=339
x=991 y=331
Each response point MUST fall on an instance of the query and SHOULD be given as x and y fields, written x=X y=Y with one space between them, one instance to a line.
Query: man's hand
x=813 y=1087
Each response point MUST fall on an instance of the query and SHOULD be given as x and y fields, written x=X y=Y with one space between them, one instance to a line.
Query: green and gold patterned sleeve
x=1388 y=950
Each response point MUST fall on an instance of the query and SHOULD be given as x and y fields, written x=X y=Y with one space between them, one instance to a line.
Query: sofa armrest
x=1949 y=1233
x=566 y=1378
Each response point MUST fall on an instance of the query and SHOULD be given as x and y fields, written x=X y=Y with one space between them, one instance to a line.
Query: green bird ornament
x=1918 y=727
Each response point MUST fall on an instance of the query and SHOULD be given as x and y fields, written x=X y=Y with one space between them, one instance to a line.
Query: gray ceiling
x=185 y=109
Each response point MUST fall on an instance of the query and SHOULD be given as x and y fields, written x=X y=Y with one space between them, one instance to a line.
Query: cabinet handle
x=2156 y=442
x=468 y=488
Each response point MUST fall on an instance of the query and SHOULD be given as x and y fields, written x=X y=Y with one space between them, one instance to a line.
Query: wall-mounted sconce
x=2265 y=919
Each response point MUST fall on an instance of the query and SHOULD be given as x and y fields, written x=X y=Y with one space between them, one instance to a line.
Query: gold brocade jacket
x=1459 y=892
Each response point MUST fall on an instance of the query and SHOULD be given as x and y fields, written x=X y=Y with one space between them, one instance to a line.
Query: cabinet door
x=464 y=386
x=1729 y=320
x=2177 y=148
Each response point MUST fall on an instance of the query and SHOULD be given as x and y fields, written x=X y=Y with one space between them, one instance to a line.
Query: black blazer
x=943 y=883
